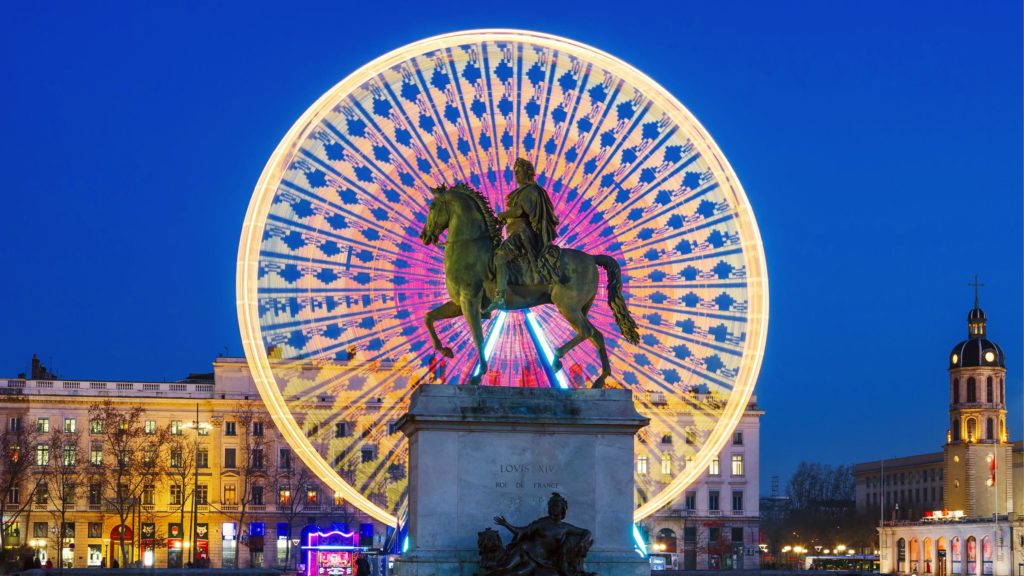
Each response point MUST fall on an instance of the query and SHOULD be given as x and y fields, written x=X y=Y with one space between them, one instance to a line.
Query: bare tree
x=17 y=446
x=133 y=458
x=252 y=428
x=291 y=479
x=59 y=485
x=181 y=466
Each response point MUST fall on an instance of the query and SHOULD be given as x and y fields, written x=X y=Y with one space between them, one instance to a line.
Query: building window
x=284 y=496
x=96 y=454
x=737 y=534
x=229 y=428
x=367 y=454
x=690 y=534
x=737 y=438
x=972 y=427
x=203 y=429
x=203 y=458
x=956 y=390
x=70 y=455
x=691 y=500
x=713 y=469
x=150 y=427
x=176 y=458
x=176 y=427
x=229 y=458
x=641 y=464
x=988 y=391
x=257 y=458
x=14 y=495
x=737 y=500
x=257 y=495
x=202 y=495
x=175 y=495
x=284 y=459
x=972 y=391
x=339 y=500
x=42 y=494
x=70 y=425
x=43 y=427
x=229 y=494
x=396 y=471
x=737 y=465
x=989 y=429
x=15 y=424
x=43 y=455
x=257 y=428
x=312 y=496
x=713 y=500
x=666 y=463
x=341 y=430
x=95 y=530
x=666 y=439
x=955 y=426
x=95 y=426
x=95 y=494
x=148 y=495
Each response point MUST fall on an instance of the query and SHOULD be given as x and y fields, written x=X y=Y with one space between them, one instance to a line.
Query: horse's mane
x=490 y=220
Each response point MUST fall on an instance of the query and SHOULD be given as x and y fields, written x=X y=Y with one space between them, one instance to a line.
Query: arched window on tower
x=1002 y=391
x=972 y=428
x=972 y=390
x=988 y=429
x=954 y=426
x=988 y=391
x=956 y=390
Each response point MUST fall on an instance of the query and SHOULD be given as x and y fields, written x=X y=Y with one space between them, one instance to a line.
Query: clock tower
x=978 y=453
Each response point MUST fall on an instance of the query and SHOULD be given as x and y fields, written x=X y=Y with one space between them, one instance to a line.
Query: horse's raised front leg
x=444 y=311
x=471 y=312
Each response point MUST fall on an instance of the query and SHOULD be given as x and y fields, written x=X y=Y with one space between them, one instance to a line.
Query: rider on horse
x=531 y=228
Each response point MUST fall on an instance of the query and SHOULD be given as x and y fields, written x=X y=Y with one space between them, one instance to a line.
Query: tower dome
x=977 y=350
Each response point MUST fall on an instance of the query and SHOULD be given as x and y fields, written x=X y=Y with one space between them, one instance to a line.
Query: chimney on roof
x=39 y=371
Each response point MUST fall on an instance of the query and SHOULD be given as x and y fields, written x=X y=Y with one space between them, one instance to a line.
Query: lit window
x=43 y=455
x=312 y=496
x=641 y=464
x=70 y=455
x=339 y=500
x=175 y=495
x=666 y=464
x=176 y=427
x=150 y=427
x=70 y=425
x=43 y=425
x=96 y=426
x=284 y=496
x=229 y=494
x=176 y=458
x=713 y=468
x=737 y=465
x=203 y=458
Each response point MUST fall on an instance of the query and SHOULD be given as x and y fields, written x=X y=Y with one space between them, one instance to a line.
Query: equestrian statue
x=484 y=273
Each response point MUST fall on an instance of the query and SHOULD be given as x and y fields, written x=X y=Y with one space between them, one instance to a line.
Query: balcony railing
x=20 y=386
x=714 y=512
x=257 y=507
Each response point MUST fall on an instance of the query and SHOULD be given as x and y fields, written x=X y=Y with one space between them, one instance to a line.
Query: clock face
x=990 y=356
x=955 y=358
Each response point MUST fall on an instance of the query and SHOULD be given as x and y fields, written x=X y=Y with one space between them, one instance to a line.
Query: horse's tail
x=616 y=302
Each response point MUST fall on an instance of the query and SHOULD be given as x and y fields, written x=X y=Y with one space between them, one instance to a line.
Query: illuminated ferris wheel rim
x=263 y=195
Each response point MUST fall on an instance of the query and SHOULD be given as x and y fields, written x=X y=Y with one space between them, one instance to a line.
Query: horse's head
x=438 y=216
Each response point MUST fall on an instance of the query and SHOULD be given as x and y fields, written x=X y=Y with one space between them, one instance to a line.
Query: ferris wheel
x=333 y=281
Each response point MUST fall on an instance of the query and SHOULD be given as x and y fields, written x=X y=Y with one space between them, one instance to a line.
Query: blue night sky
x=879 y=143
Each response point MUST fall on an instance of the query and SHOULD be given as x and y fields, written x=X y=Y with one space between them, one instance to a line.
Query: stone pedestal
x=476 y=452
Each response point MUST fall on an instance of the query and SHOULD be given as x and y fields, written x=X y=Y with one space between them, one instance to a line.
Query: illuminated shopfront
x=332 y=553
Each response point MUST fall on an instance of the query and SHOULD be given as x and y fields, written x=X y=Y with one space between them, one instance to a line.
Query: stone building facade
x=715 y=524
x=275 y=512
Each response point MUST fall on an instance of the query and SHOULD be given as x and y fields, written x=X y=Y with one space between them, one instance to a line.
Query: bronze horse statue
x=474 y=233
